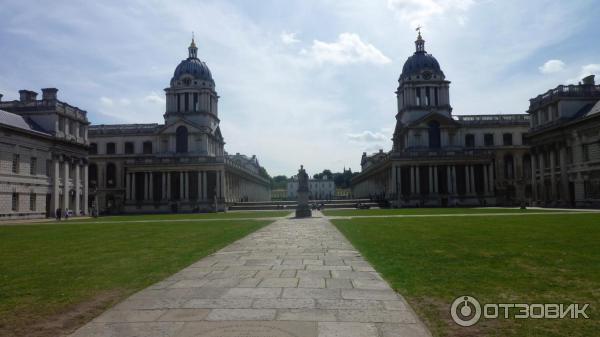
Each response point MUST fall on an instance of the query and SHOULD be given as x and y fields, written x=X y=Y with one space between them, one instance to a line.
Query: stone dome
x=193 y=66
x=421 y=61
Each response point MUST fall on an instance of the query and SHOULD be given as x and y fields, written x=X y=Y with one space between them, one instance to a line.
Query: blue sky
x=301 y=82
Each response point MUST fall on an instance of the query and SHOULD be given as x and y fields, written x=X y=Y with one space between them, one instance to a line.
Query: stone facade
x=565 y=145
x=318 y=189
x=178 y=166
x=43 y=157
x=439 y=159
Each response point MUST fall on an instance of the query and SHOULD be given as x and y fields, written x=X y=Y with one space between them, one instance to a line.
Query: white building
x=319 y=189
x=178 y=166
x=43 y=157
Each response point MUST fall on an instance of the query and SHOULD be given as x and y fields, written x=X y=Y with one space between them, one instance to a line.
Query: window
x=15 y=201
x=111 y=175
x=488 y=139
x=72 y=127
x=434 y=135
x=93 y=148
x=147 y=148
x=33 y=166
x=418 y=98
x=427 y=97
x=509 y=167
x=48 y=166
x=110 y=148
x=569 y=155
x=93 y=175
x=507 y=139
x=129 y=148
x=61 y=124
x=32 y=201
x=15 y=163
x=181 y=144
x=81 y=131
x=585 y=148
x=470 y=140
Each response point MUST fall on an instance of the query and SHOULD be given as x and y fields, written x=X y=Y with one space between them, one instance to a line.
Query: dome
x=192 y=66
x=420 y=61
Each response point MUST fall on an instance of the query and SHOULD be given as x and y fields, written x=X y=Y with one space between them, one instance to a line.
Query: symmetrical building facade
x=43 y=157
x=439 y=159
x=180 y=165
x=565 y=145
x=318 y=189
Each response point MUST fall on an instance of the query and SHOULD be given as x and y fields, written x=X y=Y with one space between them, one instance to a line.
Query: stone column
x=133 y=190
x=164 y=186
x=204 y=192
x=435 y=180
x=553 y=195
x=151 y=186
x=66 y=185
x=394 y=189
x=454 y=188
x=431 y=180
x=218 y=182
x=534 y=190
x=199 y=194
x=181 y=193
x=542 y=177
x=564 y=178
x=412 y=180
x=77 y=188
x=398 y=181
x=85 y=189
x=467 y=180
x=486 y=185
x=128 y=186
x=56 y=186
x=169 y=186
x=145 y=186
x=186 y=185
x=449 y=179
x=418 y=180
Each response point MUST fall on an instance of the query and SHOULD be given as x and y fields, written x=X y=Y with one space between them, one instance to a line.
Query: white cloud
x=419 y=12
x=106 y=102
x=155 y=98
x=289 y=38
x=552 y=66
x=349 y=48
x=367 y=137
x=586 y=70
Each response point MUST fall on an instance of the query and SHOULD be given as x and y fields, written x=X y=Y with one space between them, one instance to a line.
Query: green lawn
x=48 y=271
x=419 y=211
x=502 y=259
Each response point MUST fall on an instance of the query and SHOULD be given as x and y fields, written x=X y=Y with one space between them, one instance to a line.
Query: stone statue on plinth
x=303 y=210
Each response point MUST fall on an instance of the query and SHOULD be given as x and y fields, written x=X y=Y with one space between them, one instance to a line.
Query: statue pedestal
x=302 y=210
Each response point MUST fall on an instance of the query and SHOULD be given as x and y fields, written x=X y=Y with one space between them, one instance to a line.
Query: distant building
x=178 y=166
x=439 y=159
x=565 y=145
x=319 y=189
x=43 y=156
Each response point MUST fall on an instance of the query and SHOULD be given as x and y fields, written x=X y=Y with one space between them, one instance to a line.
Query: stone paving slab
x=293 y=278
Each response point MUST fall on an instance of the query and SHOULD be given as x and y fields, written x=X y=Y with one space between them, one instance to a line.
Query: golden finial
x=193 y=43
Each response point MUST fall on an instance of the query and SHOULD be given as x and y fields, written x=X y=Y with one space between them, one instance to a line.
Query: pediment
x=444 y=120
x=172 y=127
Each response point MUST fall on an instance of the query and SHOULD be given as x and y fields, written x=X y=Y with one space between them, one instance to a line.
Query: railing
x=582 y=91
x=508 y=118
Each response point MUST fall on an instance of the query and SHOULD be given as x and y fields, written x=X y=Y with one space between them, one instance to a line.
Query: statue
x=302 y=210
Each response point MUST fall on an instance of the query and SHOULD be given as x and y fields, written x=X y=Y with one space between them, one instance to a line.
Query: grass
x=420 y=211
x=532 y=259
x=50 y=270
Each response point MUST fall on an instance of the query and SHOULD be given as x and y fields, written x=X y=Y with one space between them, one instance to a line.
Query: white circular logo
x=465 y=310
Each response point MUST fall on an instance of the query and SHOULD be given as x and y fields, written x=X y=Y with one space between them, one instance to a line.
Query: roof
x=123 y=129
x=16 y=121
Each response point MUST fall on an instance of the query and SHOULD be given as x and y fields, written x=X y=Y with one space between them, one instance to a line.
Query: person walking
x=58 y=214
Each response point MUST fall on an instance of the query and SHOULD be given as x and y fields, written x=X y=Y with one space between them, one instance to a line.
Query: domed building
x=178 y=166
x=440 y=159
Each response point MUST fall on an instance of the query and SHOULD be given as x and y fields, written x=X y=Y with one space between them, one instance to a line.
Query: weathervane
x=418 y=29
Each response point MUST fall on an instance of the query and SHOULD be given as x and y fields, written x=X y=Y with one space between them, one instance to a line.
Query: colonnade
x=549 y=174
x=157 y=185
x=64 y=183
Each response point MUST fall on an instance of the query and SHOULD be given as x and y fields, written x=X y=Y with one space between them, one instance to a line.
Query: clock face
x=426 y=75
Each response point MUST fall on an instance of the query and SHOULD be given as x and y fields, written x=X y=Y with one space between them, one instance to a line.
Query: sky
x=300 y=81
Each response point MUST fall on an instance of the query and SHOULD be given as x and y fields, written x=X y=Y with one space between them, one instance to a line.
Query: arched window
x=93 y=148
x=470 y=140
x=110 y=148
x=129 y=148
x=93 y=175
x=434 y=135
x=147 y=148
x=181 y=144
x=111 y=175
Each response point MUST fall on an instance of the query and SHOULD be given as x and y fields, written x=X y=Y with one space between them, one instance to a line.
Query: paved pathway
x=293 y=278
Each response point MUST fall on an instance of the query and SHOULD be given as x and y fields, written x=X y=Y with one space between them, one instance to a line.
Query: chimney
x=49 y=94
x=589 y=80
x=26 y=96
x=1 y=97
